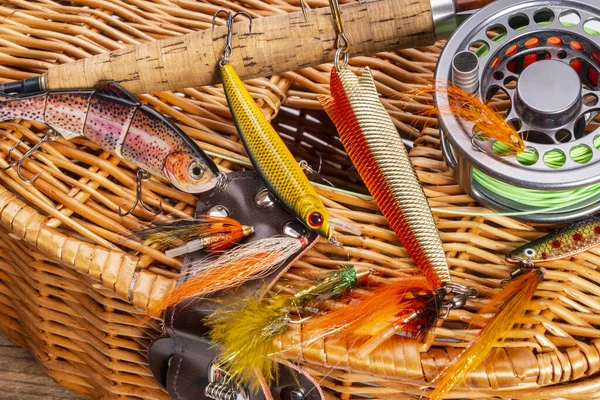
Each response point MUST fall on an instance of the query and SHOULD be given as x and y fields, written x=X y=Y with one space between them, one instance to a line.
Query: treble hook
x=229 y=17
x=49 y=136
x=142 y=176
x=9 y=156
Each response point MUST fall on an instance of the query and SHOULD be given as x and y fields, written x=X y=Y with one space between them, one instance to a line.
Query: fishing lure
x=405 y=305
x=507 y=308
x=206 y=232
x=467 y=107
x=253 y=260
x=565 y=242
x=116 y=120
x=512 y=303
x=270 y=157
x=245 y=329
x=374 y=146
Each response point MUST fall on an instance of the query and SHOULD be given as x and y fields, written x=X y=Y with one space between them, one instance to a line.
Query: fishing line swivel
x=342 y=43
x=460 y=295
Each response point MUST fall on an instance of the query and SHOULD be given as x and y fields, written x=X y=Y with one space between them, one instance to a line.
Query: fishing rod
x=279 y=43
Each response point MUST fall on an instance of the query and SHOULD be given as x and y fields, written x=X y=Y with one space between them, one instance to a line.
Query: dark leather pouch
x=181 y=360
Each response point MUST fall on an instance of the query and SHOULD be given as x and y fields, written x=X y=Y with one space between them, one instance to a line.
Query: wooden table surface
x=22 y=379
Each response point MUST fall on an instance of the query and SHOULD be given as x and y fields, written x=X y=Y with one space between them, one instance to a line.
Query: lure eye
x=315 y=220
x=196 y=171
x=530 y=252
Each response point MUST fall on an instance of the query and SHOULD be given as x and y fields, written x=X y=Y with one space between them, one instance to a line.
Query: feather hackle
x=408 y=305
x=245 y=328
x=217 y=233
x=506 y=308
x=253 y=260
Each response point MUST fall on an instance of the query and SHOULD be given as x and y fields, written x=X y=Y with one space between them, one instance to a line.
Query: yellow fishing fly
x=271 y=158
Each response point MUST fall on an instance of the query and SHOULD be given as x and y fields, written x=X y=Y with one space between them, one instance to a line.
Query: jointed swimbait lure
x=116 y=120
x=565 y=242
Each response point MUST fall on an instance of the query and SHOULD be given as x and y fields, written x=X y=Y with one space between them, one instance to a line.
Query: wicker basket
x=68 y=294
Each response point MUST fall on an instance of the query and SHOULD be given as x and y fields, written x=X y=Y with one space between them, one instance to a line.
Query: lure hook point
x=49 y=136
x=142 y=176
x=333 y=240
x=222 y=181
x=9 y=156
x=310 y=170
x=229 y=17
x=476 y=146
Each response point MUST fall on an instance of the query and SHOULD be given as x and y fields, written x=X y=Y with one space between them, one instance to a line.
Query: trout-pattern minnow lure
x=271 y=158
x=116 y=120
x=564 y=242
x=376 y=149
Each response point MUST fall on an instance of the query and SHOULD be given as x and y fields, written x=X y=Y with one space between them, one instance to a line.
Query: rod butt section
x=29 y=85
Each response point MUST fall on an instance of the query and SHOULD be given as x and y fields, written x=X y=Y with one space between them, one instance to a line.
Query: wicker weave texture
x=75 y=299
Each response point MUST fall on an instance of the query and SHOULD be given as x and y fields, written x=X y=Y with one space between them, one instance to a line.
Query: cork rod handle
x=279 y=43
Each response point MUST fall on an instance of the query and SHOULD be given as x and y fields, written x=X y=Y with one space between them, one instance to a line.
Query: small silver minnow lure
x=116 y=120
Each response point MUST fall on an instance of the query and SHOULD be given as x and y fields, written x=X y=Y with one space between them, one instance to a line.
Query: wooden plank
x=22 y=378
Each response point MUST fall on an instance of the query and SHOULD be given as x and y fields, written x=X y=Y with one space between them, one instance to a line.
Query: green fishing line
x=543 y=200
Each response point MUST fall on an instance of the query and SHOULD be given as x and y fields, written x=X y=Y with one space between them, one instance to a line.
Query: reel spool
x=542 y=61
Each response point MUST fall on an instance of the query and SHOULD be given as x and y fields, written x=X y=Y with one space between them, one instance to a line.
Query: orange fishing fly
x=403 y=306
x=506 y=309
x=467 y=107
x=205 y=232
x=248 y=261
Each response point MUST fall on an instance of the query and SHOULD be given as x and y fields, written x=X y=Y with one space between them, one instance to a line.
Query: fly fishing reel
x=538 y=62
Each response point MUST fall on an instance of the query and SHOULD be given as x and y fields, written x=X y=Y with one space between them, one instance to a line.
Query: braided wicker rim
x=75 y=299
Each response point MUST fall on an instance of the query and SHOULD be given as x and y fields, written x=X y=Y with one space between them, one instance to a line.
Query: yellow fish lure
x=271 y=158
